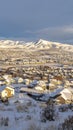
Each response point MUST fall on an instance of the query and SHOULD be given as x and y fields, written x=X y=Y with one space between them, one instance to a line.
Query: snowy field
x=25 y=113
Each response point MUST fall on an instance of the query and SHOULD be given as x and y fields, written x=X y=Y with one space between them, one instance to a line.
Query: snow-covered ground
x=24 y=113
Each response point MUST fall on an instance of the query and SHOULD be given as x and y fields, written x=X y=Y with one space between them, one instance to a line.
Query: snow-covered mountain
x=41 y=44
x=46 y=44
x=10 y=43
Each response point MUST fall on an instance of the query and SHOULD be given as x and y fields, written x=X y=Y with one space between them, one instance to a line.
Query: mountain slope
x=41 y=44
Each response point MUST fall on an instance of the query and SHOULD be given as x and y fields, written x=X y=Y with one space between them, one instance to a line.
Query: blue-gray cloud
x=34 y=19
x=62 y=34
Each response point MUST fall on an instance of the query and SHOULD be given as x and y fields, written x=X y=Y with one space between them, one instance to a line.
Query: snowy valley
x=36 y=85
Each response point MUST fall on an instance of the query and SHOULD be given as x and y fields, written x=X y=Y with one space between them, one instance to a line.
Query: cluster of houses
x=57 y=82
x=39 y=70
x=38 y=57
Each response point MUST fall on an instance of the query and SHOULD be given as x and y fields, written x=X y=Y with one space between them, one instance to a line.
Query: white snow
x=41 y=44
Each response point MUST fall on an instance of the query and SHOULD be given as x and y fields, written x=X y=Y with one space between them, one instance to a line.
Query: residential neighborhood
x=36 y=81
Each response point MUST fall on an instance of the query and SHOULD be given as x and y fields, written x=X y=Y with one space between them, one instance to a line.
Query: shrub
x=63 y=108
x=4 y=121
x=49 y=112
x=67 y=124
x=22 y=108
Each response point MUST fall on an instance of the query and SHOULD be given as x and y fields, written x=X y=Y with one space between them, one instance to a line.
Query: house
x=64 y=96
x=6 y=91
x=7 y=78
x=2 y=82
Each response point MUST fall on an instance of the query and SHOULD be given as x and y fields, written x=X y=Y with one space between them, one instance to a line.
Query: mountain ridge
x=40 y=44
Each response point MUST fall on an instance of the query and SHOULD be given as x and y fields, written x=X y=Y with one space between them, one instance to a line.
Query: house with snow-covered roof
x=63 y=96
x=6 y=91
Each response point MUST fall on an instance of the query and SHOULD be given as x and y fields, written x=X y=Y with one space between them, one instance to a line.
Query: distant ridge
x=41 y=44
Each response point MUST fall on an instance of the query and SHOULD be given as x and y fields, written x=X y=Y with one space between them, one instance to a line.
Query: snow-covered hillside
x=41 y=44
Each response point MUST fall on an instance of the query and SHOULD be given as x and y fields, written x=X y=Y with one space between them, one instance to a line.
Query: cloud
x=59 y=33
x=34 y=19
x=57 y=30
x=62 y=33
x=68 y=29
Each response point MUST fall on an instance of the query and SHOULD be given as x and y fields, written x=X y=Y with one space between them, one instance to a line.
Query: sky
x=31 y=20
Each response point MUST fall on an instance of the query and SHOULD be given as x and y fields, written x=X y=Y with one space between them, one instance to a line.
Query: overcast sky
x=34 y=19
